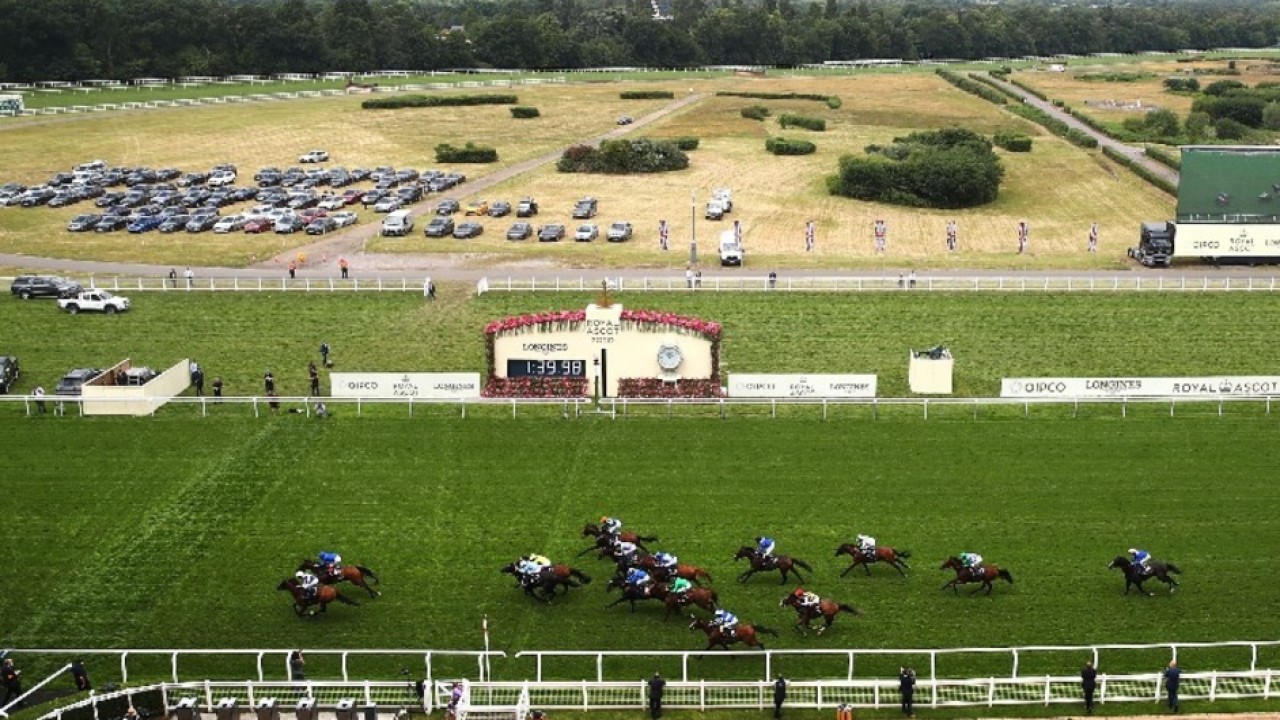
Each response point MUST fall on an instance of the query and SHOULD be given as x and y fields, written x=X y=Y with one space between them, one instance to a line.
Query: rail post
x=345 y=677
x=260 y=676
x=174 y=665
x=599 y=667
x=1015 y=662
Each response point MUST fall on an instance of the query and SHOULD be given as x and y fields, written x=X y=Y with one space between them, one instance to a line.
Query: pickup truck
x=94 y=301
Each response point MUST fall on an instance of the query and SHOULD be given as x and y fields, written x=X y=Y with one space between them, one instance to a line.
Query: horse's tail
x=1174 y=568
x=345 y=600
x=1005 y=574
x=579 y=575
x=366 y=571
x=701 y=573
x=849 y=609
x=647 y=538
x=762 y=630
x=802 y=564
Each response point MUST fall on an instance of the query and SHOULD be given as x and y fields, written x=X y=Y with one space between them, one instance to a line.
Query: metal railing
x=876 y=283
x=272 y=283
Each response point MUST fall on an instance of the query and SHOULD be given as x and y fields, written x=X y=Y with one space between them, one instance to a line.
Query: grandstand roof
x=1229 y=183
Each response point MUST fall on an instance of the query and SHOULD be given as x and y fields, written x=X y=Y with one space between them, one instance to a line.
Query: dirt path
x=350 y=242
x=1133 y=153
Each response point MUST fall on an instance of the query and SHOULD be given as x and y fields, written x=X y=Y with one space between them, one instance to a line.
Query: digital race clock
x=546 y=368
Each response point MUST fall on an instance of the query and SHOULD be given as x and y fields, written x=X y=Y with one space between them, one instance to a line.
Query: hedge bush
x=624 y=156
x=952 y=168
x=1012 y=141
x=755 y=112
x=686 y=143
x=1175 y=84
x=781 y=96
x=834 y=102
x=789 y=146
x=1029 y=89
x=809 y=123
x=1141 y=171
x=469 y=153
x=648 y=95
x=1164 y=158
x=1080 y=138
x=522 y=112
x=414 y=101
x=976 y=88
x=995 y=86
x=1055 y=126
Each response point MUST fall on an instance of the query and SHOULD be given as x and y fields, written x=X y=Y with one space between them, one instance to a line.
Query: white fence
x=615 y=408
x=885 y=283
x=235 y=283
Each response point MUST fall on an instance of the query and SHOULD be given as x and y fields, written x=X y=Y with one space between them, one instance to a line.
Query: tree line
x=123 y=39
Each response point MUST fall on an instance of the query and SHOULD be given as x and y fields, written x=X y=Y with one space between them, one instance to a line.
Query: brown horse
x=705 y=598
x=630 y=593
x=692 y=573
x=1133 y=574
x=354 y=574
x=895 y=559
x=548 y=580
x=828 y=609
x=745 y=633
x=984 y=575
x=324 y=595
x=782 y=563
x=605 y=540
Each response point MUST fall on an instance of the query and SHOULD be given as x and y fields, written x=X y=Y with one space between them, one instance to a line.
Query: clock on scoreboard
x=546 y=368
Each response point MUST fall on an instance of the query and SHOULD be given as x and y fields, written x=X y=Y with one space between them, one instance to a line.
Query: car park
x=94 y=301
x=447 y=207
x=83 y=222
x=9 y=372
x=551 y=233
x=321 y=226
x=586 y=208
x=520 y=231
x=619 y=232
x=34 y=286
x=230 y=223
x=314 y=156
x=71 y=383
x=344 y=218
x=145 y=223
x=586 y=232
x=439 y=227
x=468 y=229
x=527 y=207
x=288 y=224
x=174 y=223
x=477 y=207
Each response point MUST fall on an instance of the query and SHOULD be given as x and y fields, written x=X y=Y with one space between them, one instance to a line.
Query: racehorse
x=984 y=575
x=548 y=580
x=745 y=633
x=605 y=539
x=324 y=595
x=631 y=593
x=692 y=573
x=783 y=563
x=828 y=609
x=354 y=574
x=705 y=598
x=895 y=559
x=1133 y=574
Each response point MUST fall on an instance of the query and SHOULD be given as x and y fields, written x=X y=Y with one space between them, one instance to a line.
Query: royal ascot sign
x=427 y=386
x=802 y=386
x=1112 y=387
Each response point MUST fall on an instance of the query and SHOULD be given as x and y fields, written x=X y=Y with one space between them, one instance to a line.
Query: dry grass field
x=1059 y=189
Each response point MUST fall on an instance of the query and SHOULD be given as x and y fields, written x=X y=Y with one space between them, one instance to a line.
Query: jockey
x=972 y=561
x=867 y=545
x=808 y=600
x=725 y=621
x=625 y=552
x=666 y=561
x=1141 y=558
x=680 y=587
x=309 y=583
x=529 y=566
x=330 y=561
x=542 y=561
x=638 y=579
x=610 y=525
x=764 y=547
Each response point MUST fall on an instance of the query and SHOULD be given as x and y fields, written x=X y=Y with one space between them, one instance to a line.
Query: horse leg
x=744 y=576
x=867 y=566
x=846 y=570
x=989 y=585
x=365 y=584
x=783 y=581
x=1142 y=589
x=898 y=565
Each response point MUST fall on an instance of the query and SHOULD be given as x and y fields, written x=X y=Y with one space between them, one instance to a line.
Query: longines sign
x=430 y=386
x=1103 y=387
x=801 y=386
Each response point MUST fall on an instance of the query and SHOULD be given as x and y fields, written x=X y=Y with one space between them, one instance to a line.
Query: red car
x=351 y=197
x=311 y=214
x=259 y=225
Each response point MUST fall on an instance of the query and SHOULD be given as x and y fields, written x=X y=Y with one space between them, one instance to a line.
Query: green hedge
x=834 y=102
x=1012 y=141
x=522 y=112
x=1141 y=171
x=623 y=157
x=648 y=95
x=686 y=143
x=789 y=146
x=784 y=96
x=417 y=101
x=809 y=123
x=976 y=88
x=755 y=112
x=998 y=87
x=1029 y=89
x=1177 y=84
x=469 y=153
x=951 y=168
x=1164 y=158
x=1055 y=126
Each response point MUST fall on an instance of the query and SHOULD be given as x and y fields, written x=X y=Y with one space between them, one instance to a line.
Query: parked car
x=195 y=178
x=34 y=286
x=372 y=197
x=520 y=231
x=468 y=229
x=146 y=223
x=288 y=224
x=500 y=208
x=625 y=120
x=314 y=156
x=231 y=223
x=344 y=218
x=221 y=178
x=331 y=202
x=94 y=301
x=321 y=226
x=83 y=223
x=174 y=223
x=39 y=196
x=447 y=207
x=586 y=208
x=478 y=207
x=715 y=210
x=439 y=227
x=619 y=232
x=551 y=233
x=9 y=372
x=64 y=199
x=351 y=197
x=586 y=232
x=527 y=207
x=71 y=383
x=388 y=204
x=409 y=194
x=108 y=199
x=201 y=222
x=259 y=225
x=310 y=215
x=112 y=223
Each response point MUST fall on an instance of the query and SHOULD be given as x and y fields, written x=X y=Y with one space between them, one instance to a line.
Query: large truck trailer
x=1218 y=243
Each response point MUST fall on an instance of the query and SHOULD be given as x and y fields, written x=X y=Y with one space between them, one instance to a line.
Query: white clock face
x=669 y=357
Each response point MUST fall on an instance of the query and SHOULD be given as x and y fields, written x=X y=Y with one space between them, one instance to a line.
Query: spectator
x=131 y=713
x=779 y=695
x=269 y=382
x=431 y=289
x=773 y=279
x=342 y=265
x=297 y=666
x=1088 y=683
x=293 y=270
x=697 y=278
x=314 y=374
x=1172 y=676
x=197 y=379
x=324 y=353
x=189 y=275
x=911 y=279
x=39 y=393
x=656 y=686
x=273 y=402
x=455 y=697
x=173 y=277
x=11 y=677
x=217 y=387
x=688 y=277
x=322 y=410
x=80 y=675
x=907 y=686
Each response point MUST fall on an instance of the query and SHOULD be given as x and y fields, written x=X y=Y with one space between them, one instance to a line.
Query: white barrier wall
x=435 y=386
x=101 y=399
x=798 y=386
x=1108 y=387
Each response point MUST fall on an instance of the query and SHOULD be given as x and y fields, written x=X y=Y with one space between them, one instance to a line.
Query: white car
x=94 y=301
x=230 y=223
x=586 y=233
x=388 y=204
x=345 y=218
x=330 y=202
x=314 y=156
x=222 y=178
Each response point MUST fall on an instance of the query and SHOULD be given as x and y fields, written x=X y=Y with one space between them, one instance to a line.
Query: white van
x=730 y=249
x=398 y=223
